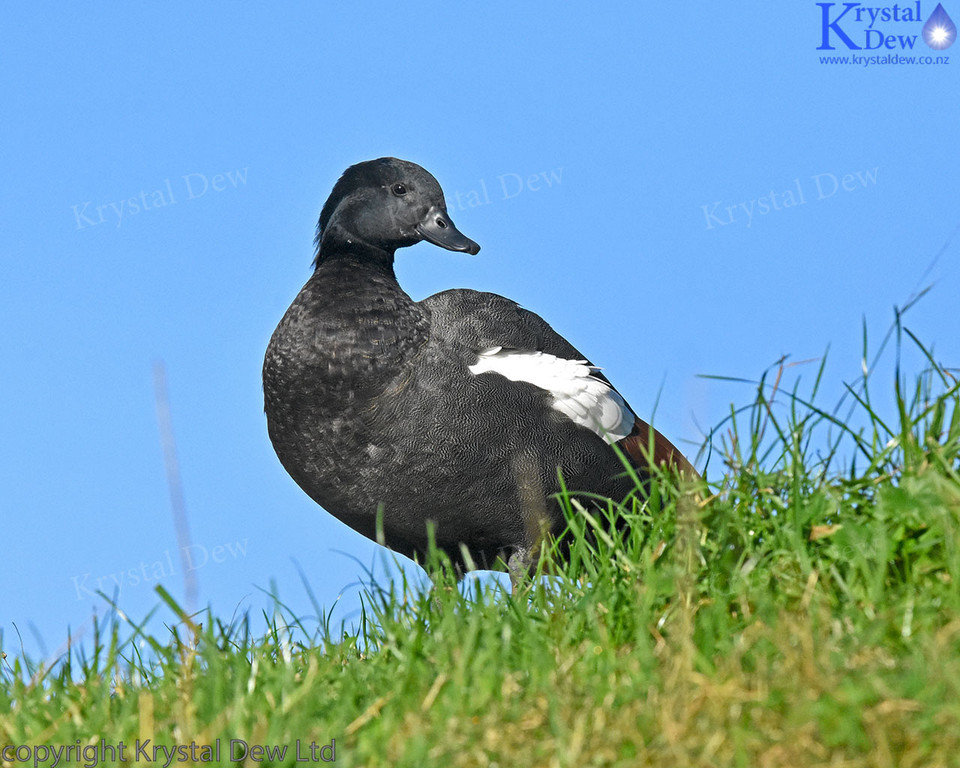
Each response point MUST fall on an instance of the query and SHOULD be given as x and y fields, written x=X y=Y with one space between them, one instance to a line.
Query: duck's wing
x=480 y=321
x=497 y=335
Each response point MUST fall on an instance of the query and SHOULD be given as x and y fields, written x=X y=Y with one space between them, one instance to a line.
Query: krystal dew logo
x=858 y=27
x=939 y=32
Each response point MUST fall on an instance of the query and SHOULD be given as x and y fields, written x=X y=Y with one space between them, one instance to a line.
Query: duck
x=457 y=418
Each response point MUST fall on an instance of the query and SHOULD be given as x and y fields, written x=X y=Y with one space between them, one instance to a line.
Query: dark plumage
x=371 y=402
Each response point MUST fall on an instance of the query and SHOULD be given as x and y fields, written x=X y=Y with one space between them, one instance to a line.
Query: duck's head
x=387 y=204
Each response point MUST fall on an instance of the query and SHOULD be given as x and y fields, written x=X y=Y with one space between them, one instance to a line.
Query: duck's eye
x=399 y=189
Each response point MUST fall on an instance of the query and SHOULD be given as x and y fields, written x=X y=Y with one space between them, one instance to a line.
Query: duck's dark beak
x=437 y=228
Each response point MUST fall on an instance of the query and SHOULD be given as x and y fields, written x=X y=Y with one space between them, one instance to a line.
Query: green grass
x=796 y=611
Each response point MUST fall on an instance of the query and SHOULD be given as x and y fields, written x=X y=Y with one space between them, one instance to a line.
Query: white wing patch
x=576 y=392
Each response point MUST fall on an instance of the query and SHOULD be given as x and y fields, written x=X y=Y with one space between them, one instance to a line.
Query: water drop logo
x=939 y=32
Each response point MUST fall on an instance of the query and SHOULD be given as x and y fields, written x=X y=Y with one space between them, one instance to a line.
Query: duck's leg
x=535 y=516
x=519 y=565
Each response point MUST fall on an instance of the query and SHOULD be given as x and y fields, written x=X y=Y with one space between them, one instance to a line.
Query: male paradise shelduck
x=456 y=411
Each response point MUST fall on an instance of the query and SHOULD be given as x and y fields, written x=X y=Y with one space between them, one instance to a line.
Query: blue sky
x=679 y=190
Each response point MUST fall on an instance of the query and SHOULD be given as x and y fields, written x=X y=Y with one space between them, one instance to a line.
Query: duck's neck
x=357 y=274
x=359 y=319
x=338 y=245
